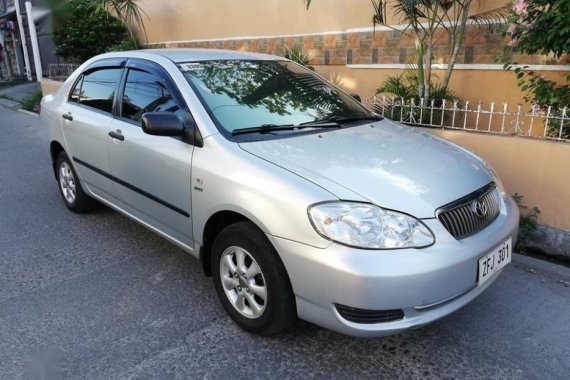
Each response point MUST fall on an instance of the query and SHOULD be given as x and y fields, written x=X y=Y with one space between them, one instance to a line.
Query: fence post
x=491 y=112
x=547 y=119
x=455 y=108
x=466 y=112
x=442 y=113
x=505 y=112
x=562 y=117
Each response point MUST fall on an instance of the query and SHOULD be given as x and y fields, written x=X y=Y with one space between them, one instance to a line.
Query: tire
x=70 y=187
x=262 y=312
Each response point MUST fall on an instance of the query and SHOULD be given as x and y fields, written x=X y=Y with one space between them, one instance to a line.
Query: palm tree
x=422 y=18
x=128 y=11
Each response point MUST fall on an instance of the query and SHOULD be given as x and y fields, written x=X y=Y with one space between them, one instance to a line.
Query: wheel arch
x=216 y=223
x=55 y=148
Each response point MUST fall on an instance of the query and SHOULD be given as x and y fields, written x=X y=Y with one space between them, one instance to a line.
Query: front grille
x=368 y=316
x=472 y=213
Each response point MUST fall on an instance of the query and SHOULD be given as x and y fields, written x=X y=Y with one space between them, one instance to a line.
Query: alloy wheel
x=67 y=182
x=243 y=282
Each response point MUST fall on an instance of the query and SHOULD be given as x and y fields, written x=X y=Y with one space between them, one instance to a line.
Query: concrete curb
x=28 y=112
x=9 y=103
x=549 y=241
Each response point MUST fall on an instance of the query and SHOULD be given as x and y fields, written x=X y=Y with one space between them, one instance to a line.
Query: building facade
x=14 y=60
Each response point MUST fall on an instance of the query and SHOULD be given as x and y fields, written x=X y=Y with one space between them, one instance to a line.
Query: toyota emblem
x=479 y=208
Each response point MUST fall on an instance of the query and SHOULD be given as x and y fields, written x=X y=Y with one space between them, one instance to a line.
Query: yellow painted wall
x=536 y=169
x=474 y=85
x=176 y=20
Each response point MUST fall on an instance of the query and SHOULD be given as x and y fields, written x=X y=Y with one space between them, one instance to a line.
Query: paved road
x=97 y=296
x=20 y=91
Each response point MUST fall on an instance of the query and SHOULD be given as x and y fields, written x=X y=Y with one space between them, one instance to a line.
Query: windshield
x=244 y=94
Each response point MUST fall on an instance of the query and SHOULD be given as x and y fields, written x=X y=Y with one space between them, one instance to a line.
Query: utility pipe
x=34 y=39
x=23 y=40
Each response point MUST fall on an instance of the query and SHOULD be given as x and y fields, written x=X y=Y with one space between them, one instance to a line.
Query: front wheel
x=251 y=281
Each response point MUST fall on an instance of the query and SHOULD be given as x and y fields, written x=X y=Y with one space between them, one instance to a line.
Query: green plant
x=128 y=11
x=541 y=27
x=528 y=220
x=85 y=33
x=298 y=55
x=32 y=101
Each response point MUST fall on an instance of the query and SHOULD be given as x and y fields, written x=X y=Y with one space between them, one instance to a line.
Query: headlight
x=363 y=225
x=495 y=177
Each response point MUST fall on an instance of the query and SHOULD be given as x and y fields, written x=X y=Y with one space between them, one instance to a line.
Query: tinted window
x=144 y=92
x=98 y=89
x=74 y=97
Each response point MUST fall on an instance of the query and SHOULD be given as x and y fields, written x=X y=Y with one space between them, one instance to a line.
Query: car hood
x=392 y=165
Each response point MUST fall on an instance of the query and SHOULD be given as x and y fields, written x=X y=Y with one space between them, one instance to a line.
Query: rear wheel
x=251 y=281
x=69 y=186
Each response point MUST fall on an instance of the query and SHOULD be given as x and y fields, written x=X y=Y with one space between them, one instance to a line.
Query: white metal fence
x=540 y=122
x=61 y=71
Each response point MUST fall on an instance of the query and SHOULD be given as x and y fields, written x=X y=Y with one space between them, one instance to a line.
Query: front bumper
x=427 y=284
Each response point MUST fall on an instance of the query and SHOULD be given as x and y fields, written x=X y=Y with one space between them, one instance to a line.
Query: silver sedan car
x=296 y=199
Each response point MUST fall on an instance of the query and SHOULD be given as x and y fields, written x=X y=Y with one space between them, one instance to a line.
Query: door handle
x=67 y=116
x=117 y=135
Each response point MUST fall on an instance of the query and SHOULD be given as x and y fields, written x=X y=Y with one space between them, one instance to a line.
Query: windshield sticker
x=191 y=66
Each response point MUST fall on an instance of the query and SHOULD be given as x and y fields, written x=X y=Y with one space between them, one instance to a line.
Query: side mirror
x=169 y=124
x=357 y=97
x=162 y=124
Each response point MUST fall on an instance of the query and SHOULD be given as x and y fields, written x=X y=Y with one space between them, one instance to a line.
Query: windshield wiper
x=266 y=128
x=345 y=119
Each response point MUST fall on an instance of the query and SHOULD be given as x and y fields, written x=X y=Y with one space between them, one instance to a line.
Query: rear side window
x=145 y=92
x=97 y=89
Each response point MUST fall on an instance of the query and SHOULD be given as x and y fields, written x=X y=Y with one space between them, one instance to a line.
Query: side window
x=98 y=89
x=144 y=92
x=76 y=92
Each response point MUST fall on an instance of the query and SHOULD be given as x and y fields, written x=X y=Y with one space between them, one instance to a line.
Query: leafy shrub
x=528 y=220
x=541 y=27
x=86 y=32
x=32 y=101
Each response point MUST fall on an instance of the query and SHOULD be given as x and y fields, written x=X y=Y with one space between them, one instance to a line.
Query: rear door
x=152 y=173
x=86 y=119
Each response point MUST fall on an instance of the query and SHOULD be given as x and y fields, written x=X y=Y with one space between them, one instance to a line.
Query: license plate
x=495 y=260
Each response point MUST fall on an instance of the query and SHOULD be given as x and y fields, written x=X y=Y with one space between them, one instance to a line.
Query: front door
x=152 y=173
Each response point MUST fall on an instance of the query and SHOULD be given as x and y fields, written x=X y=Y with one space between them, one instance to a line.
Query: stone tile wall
x=482 y=46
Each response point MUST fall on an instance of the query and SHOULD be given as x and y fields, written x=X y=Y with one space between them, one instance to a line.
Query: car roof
x=190 y=55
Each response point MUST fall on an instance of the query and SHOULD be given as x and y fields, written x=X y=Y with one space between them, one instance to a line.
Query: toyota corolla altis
x=297 y=200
